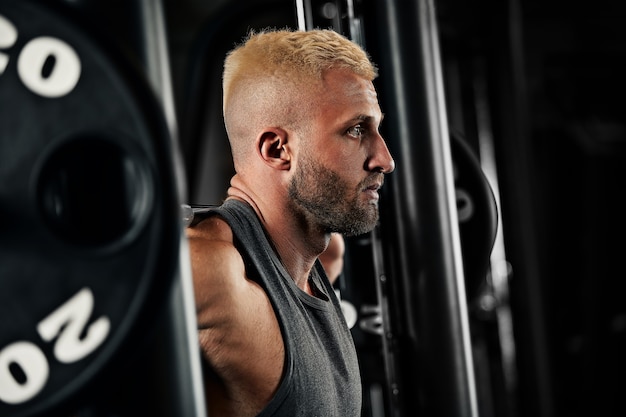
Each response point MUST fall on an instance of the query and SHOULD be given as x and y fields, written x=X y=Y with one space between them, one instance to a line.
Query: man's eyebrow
x=367 y=118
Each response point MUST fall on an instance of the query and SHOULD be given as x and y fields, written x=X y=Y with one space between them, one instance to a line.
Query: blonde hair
x=267 y=78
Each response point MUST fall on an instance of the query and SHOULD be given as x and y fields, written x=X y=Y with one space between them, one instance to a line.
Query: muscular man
x=302 y=117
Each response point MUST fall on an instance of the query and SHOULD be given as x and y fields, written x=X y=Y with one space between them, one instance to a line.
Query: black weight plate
x=89 y=225
x=477 y=214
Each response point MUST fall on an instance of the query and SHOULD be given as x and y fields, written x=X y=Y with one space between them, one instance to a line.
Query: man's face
x=343 y=158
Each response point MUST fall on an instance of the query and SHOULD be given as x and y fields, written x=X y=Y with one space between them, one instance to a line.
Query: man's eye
x=356 y=131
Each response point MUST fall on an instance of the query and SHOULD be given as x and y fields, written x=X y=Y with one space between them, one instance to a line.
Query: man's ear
x=273 y=149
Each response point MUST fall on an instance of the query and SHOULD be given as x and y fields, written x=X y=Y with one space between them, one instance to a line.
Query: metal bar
x=157 y=68
x=527 y=291
x=183 y=368
x=426 y=261
x=300 y=13
x=500 y=268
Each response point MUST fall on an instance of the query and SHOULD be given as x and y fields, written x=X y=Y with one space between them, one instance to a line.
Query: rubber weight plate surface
x=89 y=228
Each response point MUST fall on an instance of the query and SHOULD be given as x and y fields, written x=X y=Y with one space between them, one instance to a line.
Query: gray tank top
x=321 y=376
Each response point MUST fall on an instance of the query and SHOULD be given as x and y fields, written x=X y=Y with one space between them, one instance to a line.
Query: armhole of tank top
x=284 y=387
x=230 y=215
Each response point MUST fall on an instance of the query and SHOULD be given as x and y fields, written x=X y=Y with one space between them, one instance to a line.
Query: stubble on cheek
x=329 y=199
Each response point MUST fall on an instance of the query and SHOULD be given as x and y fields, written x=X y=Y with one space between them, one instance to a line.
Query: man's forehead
x=345 y=76
x=345 y=85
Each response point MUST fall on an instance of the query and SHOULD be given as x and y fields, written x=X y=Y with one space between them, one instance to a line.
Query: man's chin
x=359 y=229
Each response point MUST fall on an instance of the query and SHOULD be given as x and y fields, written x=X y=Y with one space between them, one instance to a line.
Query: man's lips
x=372 y=193
x=372 y=190
x=374 y=183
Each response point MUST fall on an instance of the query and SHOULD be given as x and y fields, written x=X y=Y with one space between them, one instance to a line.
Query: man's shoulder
x=213 y=253
x=210 y=229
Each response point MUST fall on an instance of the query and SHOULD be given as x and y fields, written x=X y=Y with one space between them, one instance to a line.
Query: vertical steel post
x=180 y=346
x=420 y=236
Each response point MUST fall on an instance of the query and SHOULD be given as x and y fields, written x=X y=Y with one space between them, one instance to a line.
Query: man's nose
x=381 y=159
